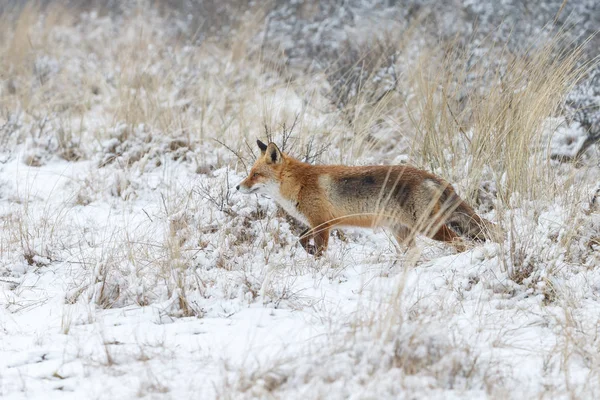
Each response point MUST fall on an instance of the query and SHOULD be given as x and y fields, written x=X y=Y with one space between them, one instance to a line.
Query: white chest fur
x=288 y=205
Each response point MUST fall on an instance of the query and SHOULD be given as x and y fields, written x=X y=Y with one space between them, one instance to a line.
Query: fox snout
x=242 y=187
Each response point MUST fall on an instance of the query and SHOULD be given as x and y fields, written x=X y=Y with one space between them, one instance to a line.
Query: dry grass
x=136 y=96
x=486 y=119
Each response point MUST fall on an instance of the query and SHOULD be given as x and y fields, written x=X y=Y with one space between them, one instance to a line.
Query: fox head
x=265 y=174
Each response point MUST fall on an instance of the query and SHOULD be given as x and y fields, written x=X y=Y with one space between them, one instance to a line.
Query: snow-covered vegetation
x=130 y=267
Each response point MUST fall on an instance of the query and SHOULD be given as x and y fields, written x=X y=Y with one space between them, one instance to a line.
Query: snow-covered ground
x=130 y=266
x=163 y=294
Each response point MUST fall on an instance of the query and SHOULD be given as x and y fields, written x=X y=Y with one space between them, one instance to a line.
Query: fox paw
x=311 y=249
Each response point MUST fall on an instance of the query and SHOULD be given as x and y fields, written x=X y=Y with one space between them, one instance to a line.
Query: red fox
x=402 y=198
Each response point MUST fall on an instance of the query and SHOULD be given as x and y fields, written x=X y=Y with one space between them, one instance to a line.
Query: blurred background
x=358 y=49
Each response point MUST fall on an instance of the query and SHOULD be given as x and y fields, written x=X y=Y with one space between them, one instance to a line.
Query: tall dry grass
x=488 y=118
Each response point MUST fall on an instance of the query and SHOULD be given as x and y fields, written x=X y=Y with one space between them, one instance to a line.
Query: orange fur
x=402 y=198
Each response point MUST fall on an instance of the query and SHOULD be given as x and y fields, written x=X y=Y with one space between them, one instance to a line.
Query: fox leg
x=319 y=232
x=321 y=240
x=305 y=237
x=439 y=230
x=445 y=234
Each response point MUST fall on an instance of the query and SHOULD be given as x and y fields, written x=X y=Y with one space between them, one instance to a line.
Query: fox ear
x=261 y=146
x=273 y=154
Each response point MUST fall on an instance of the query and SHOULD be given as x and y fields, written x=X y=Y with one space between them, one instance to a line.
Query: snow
x=131 y=267
x=70 y=333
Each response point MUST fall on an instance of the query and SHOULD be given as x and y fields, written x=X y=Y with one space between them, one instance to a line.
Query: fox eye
x=255 y=175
